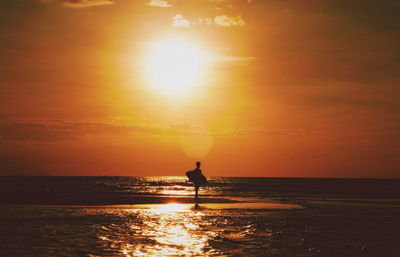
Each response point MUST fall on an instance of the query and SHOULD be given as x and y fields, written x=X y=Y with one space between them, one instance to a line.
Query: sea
x=234 y=216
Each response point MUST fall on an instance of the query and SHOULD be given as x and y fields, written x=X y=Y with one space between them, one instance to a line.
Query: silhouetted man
x=197 y=178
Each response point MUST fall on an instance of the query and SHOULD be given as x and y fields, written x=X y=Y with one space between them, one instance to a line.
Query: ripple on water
x=169 y=229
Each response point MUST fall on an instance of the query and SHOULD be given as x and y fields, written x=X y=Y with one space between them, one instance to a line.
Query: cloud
x=12 y=129
x=221 y=20
x=86 y=3
x=159 y=3
x=179 y=21
x=276 y=132
x=48 y=131
x=203 y=22
x=234 y=59
x=229 y=21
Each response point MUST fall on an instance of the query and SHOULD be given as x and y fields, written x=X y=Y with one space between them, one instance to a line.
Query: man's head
x=198 y=164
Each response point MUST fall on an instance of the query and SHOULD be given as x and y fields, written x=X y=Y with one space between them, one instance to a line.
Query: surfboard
x=195 y=177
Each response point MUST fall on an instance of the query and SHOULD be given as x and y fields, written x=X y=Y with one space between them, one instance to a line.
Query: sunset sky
x=274 y=88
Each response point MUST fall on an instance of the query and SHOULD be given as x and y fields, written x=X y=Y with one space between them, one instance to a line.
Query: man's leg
x=196 y=192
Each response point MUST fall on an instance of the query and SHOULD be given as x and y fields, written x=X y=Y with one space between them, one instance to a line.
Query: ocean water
x=156 y=216
x=123 y=190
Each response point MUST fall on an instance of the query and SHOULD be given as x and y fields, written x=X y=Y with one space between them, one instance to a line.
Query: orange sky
x=291 y=88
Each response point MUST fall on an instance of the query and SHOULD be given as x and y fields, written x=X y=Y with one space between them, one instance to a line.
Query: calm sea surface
x=109 y=190
x=99 y=216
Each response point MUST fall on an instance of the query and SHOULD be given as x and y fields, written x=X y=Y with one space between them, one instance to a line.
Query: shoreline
x=229 y=201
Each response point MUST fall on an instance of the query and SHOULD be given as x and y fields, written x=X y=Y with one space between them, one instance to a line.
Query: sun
x=175 y=67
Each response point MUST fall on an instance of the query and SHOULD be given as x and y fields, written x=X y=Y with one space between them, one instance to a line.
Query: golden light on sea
x=173 y=227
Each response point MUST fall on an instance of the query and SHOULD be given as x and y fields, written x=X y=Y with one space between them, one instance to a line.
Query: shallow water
x=45 y=216
x=187 y=230
x=170 y=229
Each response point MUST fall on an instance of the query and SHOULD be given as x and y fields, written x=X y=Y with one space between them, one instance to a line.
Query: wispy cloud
x=86 y=3
x=229 y=21
x=180 y=22
x=275 y=132
x=220 y=20
x=233 y=59
x=159 y=3
x=12 y=129
x=47 y=131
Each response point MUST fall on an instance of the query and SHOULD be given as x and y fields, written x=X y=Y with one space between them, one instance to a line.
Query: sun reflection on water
x=169 y=208
x=176 y=192
x=170 y=229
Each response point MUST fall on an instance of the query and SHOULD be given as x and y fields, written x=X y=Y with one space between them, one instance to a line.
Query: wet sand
x=220 y=206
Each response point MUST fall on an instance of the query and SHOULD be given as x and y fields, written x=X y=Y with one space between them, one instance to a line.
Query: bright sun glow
x=175 y=67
